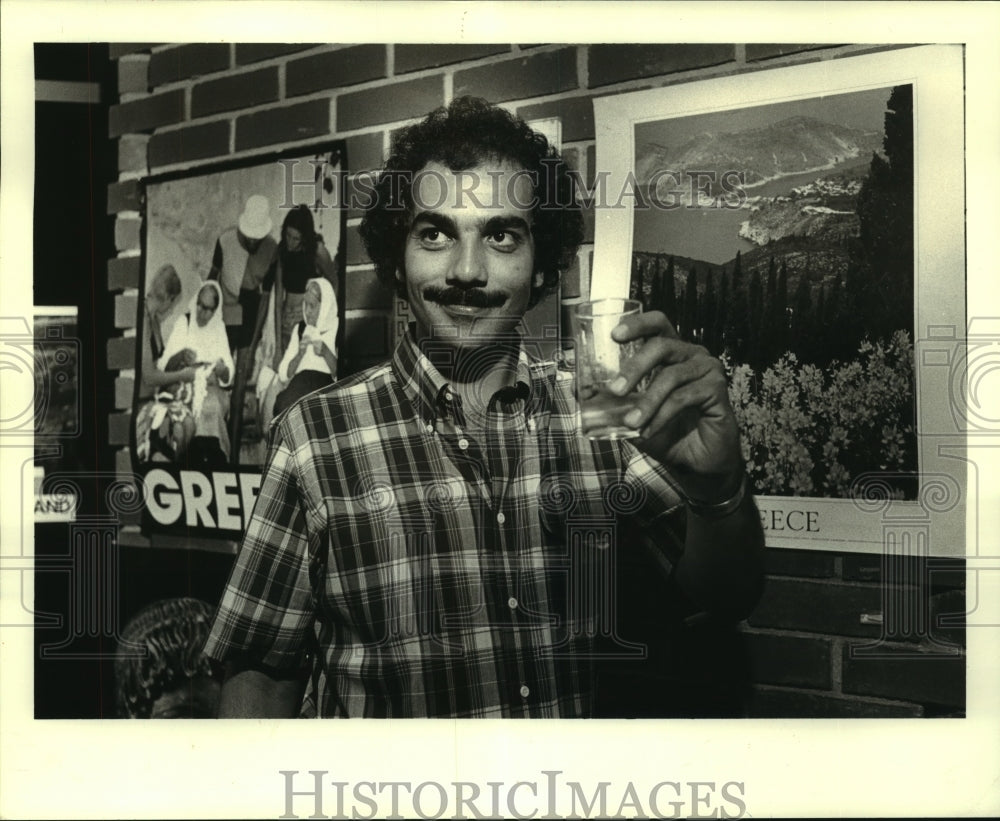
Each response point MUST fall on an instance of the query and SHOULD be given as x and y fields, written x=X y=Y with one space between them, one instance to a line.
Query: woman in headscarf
x=199 y=340
x=310 y=361
x=164 y=424
x=301 y=256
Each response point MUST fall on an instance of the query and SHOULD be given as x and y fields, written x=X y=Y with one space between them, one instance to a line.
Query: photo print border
x=885 y=508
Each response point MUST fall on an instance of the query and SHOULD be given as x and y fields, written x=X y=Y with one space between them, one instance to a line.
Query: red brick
x=861 y=567
x=124 y=392
x=773 y=702
x=126 y=307
x=146 y=114
x=576 y=114
x=195 y=142
x=127 y=233
x=547 y=73
x=123 y=272
x=132 y=154
x=123 y=465
x=389 y=103
x=236 y=91
x=809 y=563
x=335 y=69
x=359 y=194
x=818 y=607
x=415 y=56
x=118 y=428
x=367 y=337
x=569 y=283
x=364 y=291
x=927 y=679
x=356 y=254
x=365 y=152
x=186 y=61
x=133 y=75
x=116 y=50
x=571 y=156
x=790 y=660
x=616 y=63
x=764 y=51
x=123 y=196
x=939 y=572
x=255 y=52
x=948 y=617
x=121 y=353
x=292 y=123
x=132 y=537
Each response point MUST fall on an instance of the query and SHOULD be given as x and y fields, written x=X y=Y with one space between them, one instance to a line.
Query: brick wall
x=818 y=641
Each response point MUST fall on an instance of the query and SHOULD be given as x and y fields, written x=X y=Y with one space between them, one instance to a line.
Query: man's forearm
x=722 y=567
x=253 y=694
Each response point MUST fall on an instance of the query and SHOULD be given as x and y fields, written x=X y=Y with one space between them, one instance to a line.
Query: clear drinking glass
x=599 y=360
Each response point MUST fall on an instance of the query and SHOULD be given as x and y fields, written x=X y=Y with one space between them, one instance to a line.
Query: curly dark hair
x=461 y=136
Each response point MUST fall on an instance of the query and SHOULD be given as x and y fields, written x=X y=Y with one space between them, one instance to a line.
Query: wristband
x=722 y=509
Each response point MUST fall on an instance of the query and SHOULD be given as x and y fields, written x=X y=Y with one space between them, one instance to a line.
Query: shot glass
x=599 y=359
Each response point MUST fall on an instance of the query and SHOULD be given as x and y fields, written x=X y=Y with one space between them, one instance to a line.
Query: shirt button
x=525 y=691
x=512 y=603
x=463 y=444
x=430 y=428
x=501 y=518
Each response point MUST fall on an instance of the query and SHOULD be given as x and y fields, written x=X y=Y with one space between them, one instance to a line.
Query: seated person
x=202 y=343
x=164 y=424
x=310 y=362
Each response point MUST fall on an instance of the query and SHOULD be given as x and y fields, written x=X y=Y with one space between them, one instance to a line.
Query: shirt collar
x=425 y=386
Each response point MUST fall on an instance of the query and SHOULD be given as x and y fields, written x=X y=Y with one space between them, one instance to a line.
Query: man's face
x=249 y=245
x=469 y=254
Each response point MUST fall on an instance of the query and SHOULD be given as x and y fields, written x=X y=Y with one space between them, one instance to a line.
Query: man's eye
x=503 y=240
x=432 y=238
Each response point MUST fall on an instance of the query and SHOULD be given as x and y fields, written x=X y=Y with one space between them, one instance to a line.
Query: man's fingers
x=638 y=326
x=668 y=381
x=657 y=353
x=683 y=406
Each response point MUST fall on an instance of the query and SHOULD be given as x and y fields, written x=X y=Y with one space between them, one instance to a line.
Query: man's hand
x=684 y=414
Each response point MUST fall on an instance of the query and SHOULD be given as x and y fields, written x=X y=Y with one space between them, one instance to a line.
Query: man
x=242 y=256
x=422 y=529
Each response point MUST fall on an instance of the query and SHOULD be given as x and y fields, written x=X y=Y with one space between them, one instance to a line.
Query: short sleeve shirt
x=418 y=569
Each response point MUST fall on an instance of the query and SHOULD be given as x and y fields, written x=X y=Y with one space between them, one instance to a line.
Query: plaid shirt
x=420 y=570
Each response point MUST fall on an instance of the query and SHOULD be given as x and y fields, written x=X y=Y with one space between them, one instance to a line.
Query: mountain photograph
x=799 y=276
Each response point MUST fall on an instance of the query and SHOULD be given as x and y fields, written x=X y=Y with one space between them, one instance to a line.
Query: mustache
x=472 y=297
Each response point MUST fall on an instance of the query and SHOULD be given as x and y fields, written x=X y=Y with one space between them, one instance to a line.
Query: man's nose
x=469 y=266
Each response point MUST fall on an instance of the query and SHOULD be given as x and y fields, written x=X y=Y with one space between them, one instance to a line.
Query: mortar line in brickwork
x=449 y=86
x=390 y=60
x=582 y=66
x=860 y=699
x=837 y=666
x=786 y=631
